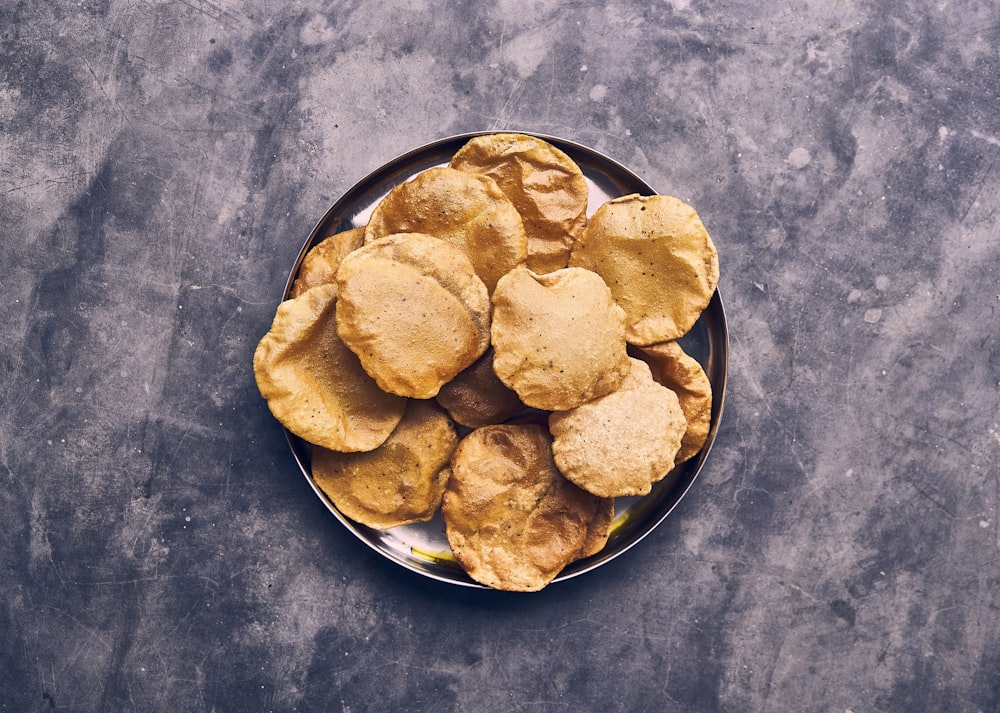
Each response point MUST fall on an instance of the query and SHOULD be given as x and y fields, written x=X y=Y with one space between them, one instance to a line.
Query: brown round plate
x=423 y=548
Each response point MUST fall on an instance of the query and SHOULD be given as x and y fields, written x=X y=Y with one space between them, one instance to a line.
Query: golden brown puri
x=622 y=443
x=477 y=397
x=684 y=376
x=413 y=310
x=465 y=209
x=314 y=385
x=319 y=266
x=558 y=338
x=398 y=483
x=512 y=521
x=658 y=260
x=544 y=184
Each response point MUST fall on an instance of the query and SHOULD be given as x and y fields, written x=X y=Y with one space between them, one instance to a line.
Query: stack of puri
x=484 y=350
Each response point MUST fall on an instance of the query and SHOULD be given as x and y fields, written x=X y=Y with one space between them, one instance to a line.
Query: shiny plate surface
x=423 y=548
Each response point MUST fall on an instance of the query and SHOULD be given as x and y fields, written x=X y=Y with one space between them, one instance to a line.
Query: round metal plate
x=423 y=548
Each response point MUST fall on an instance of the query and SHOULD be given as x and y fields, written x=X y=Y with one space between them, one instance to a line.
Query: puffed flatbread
x=320 y=264
x=683 y=375
x=558 y=338
x=465 y=209
x=413 y=310
x=512 y=521
x=657 y=258
x=400 y=482
x=314 y=385
x=622 y=443
x=545 y=185
x=477 y=397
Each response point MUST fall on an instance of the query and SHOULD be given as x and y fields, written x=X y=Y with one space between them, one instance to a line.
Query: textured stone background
x=161 y=164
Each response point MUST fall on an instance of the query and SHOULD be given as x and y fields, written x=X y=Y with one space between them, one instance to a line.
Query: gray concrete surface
x=161 y=164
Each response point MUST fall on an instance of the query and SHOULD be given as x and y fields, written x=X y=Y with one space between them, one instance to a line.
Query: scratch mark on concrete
x=991 y=140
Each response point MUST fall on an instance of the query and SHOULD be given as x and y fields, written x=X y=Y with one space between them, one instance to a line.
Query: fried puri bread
x=314 y=385
x=413 y=310
x=558 y=338
x=683 y=375
x=657 y=258
x=319 y=266
x=512 y=521
x=400 y=482
x=465 y=209
x=477 y=397
x=622 y=443
x=544 y=184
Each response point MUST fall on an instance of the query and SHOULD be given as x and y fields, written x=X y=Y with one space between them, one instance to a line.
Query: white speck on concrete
x=799 y=157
